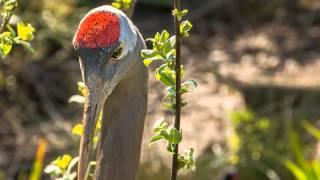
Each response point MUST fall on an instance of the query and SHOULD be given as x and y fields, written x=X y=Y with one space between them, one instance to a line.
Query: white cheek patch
x=128 y=34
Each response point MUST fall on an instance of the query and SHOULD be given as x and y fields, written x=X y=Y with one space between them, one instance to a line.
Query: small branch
x=175 y=168
x=5 y=22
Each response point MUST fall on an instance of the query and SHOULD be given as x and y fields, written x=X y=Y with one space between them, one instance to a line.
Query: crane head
x=105 y=43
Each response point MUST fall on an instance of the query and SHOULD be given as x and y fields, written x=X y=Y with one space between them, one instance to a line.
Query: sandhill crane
x=108 y=46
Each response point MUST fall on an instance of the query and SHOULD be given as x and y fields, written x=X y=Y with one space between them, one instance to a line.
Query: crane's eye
x=116 y=54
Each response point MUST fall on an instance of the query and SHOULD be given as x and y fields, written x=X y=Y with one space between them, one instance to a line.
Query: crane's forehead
x=98 y=29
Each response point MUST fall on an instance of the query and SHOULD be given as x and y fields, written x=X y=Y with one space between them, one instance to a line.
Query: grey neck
x=122 y=127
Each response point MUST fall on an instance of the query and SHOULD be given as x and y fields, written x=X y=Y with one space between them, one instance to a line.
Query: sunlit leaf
x=185 y=27
x=179 y=13
x=188 y=86
x=160 y=125
x=77 y=129
x=10 y=5
x=82 y=88
x=165 y=75
x=187 y=160
x=174 y=136
x=156 y=138
x=297 y=172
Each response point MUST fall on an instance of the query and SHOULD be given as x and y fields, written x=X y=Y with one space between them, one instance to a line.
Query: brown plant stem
x=4 y=23
x=175 y=168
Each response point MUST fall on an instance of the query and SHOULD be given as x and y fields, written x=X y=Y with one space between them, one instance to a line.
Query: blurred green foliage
x=256 y=144
x=306 y=163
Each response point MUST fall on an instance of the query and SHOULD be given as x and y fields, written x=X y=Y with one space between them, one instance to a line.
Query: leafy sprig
x=164 y=50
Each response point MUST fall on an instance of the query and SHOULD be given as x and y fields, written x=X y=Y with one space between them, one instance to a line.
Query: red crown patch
x=98 y=30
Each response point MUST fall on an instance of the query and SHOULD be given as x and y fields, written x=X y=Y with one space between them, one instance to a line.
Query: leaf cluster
x=186 y=160
x=21 y=35
x=165 y=132
x=303 y=168
x=164 y=50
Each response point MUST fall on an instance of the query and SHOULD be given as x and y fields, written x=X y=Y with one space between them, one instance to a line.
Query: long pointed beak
x=92 y=108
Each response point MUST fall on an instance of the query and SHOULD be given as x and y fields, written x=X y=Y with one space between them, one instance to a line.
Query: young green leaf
x=160 y=125
x=173 y=135
x=188 y=86
x=187 y=160
x=10 y=5
x=165 y=75
x=82 y=88
x=180 y=13
x=156 y=138
x=5 y=47
x=185 y=28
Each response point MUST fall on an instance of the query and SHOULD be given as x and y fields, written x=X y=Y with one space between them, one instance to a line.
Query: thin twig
x=174 y=169
x=5 y=22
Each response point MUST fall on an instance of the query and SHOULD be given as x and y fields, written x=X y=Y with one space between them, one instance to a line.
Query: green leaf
x=296 y=171
x=179 y=13
x=148 y=53
x=24 y=44
x=149 y=56
x=165 y=75
x=82 y=88
x=157 y=37
x=5 y=43
x=174 y=136
x=160 y=125
x=185 y=28
x=164 y=36
x=25 y=31
x=5 y=47
x=78 y=129
x=10 y=5
x=171 y=90
x=187 y=160
x=170 y=147
x=156 y=138
x=188 y=86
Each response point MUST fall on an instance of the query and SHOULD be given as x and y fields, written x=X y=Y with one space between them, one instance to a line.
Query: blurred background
x=255 y=113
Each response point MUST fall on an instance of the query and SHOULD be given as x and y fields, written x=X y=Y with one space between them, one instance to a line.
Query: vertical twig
x=174 y=168
x=4 y=23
